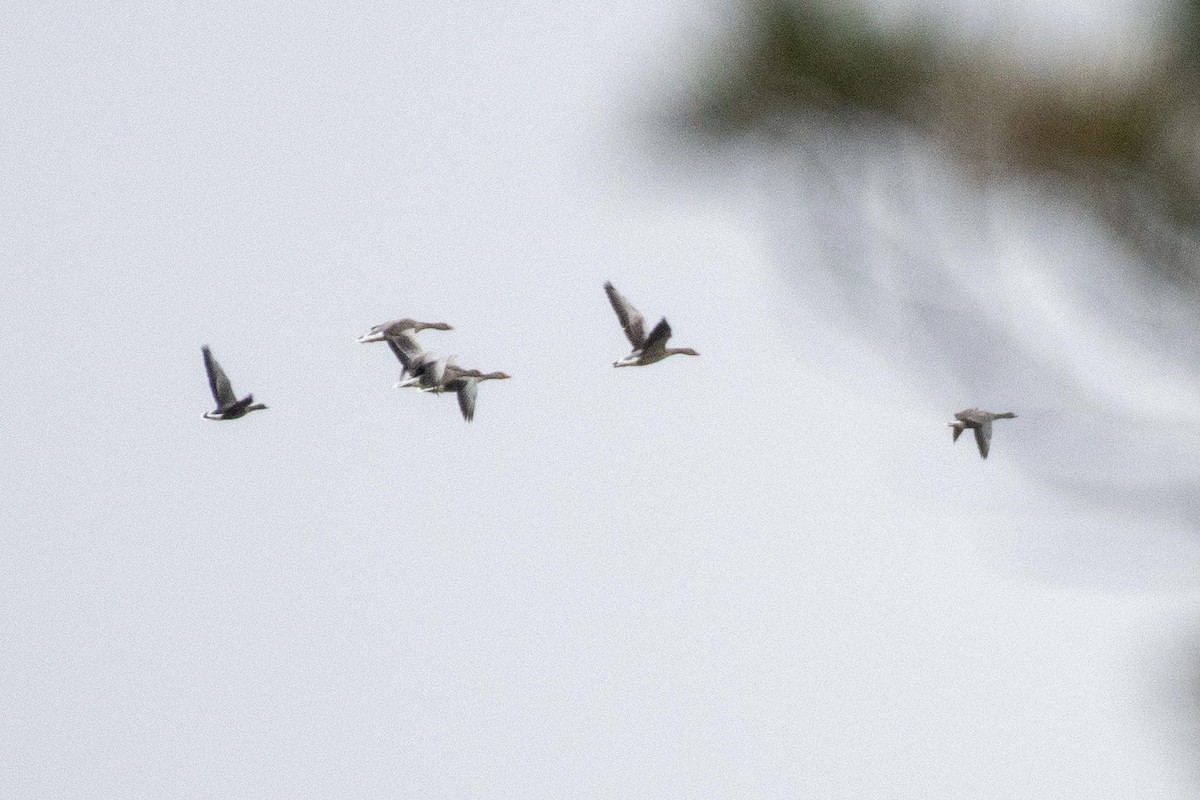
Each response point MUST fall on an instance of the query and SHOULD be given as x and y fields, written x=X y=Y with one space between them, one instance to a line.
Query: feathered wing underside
x=958 y=429
x=222 y=392
x=408 y=351
x=983 y=437
x=632 y=321
x=467 y=390
x=435 y=371
x=397 y=351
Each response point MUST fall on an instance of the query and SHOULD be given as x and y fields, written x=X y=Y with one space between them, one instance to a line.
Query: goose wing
x=408 y=350
x=657 y=340
x=983 y=436
x=397 y=351
x=467 y=389
x=632 y=321
x=436 y=371
x=222 y=392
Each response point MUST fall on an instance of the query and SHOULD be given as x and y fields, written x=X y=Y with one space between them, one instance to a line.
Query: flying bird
x=646 y=349
x=979 y=421
x=431 y=373
x=228 y=406
x=465 y=383
x=422 y=368
x=386 y=330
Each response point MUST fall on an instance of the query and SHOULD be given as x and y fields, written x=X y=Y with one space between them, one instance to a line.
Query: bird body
x=646 y=349
x=228 y=404
x=437 y=374
x=422 y=368
x=465 y=384
x=386 y=330
x=980 y=422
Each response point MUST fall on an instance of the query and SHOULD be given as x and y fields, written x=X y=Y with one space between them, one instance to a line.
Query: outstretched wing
x=466 y=397
x=983 y=437
x=407 y=350
x=657 y=340
x=435 y=371
x=630 y=318
x=222 y=392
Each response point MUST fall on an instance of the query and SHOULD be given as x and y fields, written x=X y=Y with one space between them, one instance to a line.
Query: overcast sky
x=764 y=572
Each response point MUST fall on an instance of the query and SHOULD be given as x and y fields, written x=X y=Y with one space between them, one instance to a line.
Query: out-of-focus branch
x=1128 y=148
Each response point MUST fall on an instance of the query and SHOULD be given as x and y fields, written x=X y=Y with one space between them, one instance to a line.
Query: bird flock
x=429 y=372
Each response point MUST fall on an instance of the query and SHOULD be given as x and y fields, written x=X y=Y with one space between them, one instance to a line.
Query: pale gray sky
x=760 y=573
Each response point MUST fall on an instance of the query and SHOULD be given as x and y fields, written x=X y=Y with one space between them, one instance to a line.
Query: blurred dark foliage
x=1126 y=146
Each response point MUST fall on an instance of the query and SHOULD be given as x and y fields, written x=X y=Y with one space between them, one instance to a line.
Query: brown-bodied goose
x=228 y=406
x=979 y=421
x=431 y=373
x=386 y=330
x=422 y=368
x=646 y=349
x=465 y=383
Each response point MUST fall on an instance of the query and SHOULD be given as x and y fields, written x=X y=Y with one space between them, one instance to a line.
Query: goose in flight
x=979 y=421
x=424 y=369
x=431 y=373
x=465 y=383
x=228 y=406
x=646 y=349
x=386 y=330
